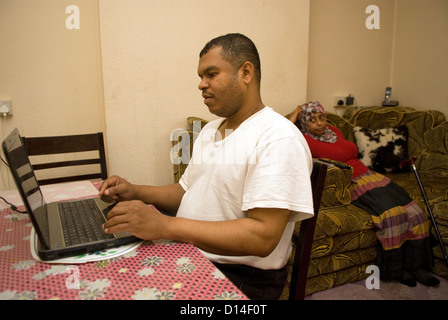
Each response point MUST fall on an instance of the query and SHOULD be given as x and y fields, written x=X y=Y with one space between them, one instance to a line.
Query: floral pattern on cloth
x=162 y=270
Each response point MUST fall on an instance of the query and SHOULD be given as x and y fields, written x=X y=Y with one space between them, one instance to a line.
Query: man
x=245 y=186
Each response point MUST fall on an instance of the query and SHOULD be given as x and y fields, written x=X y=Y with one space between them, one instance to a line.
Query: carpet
x=388 y=290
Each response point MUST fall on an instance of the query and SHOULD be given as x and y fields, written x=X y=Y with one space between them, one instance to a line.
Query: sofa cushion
x=382 y=150
x=344 y=242
x=434 y=186
x=333 y=221
x=339 y=277
x=419 y=123
x=340 y=261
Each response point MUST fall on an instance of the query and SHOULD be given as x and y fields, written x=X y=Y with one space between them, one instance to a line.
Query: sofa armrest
x=181 y=151
x=336 y=190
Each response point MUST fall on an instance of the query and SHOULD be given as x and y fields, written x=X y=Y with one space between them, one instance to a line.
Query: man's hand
x=137 y=218
x=117 y=189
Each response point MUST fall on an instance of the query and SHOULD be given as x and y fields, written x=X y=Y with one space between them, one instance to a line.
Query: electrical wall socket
x=339 y=100
x=5 y=106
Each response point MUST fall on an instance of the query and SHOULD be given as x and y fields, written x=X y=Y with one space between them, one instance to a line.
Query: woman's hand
x=293 y=115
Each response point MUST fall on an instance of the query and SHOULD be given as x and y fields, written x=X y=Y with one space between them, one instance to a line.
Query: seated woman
x=402 y=226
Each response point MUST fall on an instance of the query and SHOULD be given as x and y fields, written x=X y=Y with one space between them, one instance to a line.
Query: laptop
x=52 y=221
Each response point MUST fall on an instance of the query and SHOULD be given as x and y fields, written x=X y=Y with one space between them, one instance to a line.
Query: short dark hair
x=236 y=49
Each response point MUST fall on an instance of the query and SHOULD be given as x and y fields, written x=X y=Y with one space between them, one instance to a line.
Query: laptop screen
x=26 y=183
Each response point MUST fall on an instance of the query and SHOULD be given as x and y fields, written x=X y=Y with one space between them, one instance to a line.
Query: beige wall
x=420 y=60
x=130 y=70
x=150 y=52
x=51 y=74
x=409 y=52
x=344 y=56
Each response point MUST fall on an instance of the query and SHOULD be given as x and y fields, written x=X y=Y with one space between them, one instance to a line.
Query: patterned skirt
x=396 y=216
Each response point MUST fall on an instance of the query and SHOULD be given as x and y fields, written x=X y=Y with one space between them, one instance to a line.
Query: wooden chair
x=76 y=144
x=304 y=238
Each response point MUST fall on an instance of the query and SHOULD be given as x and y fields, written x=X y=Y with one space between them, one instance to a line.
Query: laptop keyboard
x=82 y=222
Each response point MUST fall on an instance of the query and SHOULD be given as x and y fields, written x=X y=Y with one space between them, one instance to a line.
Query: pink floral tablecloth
x=162 y=270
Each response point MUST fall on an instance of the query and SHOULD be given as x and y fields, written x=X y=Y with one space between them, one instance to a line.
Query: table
x=161 y=270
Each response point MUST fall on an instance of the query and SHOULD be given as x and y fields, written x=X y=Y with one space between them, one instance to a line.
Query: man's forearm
x=256 y=235
x=166 y=198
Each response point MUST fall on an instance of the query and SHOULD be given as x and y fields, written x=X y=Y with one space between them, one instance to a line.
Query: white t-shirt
x=264 y=163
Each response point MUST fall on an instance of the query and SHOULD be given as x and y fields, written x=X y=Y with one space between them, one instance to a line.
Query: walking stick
x=414 y=169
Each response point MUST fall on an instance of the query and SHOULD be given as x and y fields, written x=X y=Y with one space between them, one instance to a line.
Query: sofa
x=345 y=241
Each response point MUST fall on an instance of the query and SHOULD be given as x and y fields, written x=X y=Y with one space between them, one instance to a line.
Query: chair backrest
x=76 y=144
x=304 y=238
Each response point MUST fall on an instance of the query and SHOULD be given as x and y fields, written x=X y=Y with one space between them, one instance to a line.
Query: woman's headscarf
x=308 y=109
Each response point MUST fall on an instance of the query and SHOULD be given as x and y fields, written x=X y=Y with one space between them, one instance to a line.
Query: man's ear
x=248 y=71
